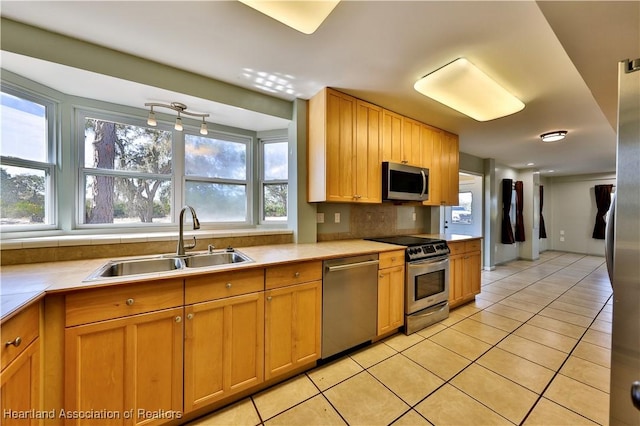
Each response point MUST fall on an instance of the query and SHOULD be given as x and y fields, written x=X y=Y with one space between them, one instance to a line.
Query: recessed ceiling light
x=553 y=136
x=463 y=87
x=531 y=164
x=304 y=16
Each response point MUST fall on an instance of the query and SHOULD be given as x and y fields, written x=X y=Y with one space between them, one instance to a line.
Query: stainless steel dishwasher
x=349 y=302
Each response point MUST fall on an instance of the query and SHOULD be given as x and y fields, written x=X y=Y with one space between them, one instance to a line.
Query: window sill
x=100 y=239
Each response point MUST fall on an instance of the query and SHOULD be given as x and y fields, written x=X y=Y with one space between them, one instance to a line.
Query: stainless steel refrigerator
x=623 y=253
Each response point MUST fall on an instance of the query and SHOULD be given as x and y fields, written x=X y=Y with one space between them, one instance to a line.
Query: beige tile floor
x=533 y=349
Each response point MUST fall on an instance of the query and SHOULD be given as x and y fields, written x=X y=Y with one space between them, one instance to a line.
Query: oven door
x=427 y=283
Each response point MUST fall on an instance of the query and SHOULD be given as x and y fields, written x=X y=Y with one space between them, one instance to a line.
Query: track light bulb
x=203 y=128
x=178 y=125
x=151 y=121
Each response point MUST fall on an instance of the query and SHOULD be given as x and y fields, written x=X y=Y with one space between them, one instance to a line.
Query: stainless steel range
x=426 y=280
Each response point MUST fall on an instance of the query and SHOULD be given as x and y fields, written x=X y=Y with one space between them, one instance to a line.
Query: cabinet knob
x=15 y=342
x=297 y=274
x=393 y=259
x=228 y=285
x=269 y=298
x=381 y=275
x=405 y=161
x=189 y=316
x=129 y=302
x=178 y=318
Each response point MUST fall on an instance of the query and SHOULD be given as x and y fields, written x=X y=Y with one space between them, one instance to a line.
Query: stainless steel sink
x=215 y=259
x=167 y=263
x=119 y=268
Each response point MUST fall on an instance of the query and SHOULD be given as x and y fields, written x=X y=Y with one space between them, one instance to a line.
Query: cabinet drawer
x=223 y=284
x=472 y=246
x=456 y=247
x=293 y=273
x=87 y=306
x=389 y=259
x=21 y=329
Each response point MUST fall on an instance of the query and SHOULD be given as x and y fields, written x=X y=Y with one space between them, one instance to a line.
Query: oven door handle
x=429 y=262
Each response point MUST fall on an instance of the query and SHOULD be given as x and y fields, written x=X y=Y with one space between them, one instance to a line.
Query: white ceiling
x=559 y=58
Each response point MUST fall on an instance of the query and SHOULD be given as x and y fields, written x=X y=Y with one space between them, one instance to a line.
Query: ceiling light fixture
x=553 y=136
x=462 y=86
x=304 y=16
x=181 y=109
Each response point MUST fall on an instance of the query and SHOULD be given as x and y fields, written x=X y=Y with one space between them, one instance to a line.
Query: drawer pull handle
x=297 y=274
x=15 y=342
x=178 y=318
x=129 y=302
x=189 y=316
x=228 y=285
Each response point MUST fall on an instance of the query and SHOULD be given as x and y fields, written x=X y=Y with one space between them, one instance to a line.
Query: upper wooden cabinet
x=349 y=139
x=344 y=162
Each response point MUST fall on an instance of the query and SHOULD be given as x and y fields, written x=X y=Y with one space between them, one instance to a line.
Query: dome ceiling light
x=554 y=136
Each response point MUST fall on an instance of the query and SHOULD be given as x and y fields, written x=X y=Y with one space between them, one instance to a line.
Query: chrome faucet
x=196 y=225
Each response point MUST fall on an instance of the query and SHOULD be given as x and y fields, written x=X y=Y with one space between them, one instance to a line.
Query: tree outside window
x=275 y=175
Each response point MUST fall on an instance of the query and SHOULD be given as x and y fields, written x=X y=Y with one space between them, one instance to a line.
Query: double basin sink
x=167 y=263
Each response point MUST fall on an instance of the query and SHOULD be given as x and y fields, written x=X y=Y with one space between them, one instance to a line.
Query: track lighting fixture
x=180 y=108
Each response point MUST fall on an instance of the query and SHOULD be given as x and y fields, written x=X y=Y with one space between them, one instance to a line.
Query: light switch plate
x=337 y=218
x=320 y=217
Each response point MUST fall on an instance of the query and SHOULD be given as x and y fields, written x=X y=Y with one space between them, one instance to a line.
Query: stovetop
x=418 y=248
x=405 y=240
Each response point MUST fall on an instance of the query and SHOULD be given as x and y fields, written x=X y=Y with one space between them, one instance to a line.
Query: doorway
x=466 y=218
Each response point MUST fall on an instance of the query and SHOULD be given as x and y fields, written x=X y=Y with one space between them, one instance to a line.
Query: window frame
x=81 y=114
x=49 y=167
x=249 y=143
x=262 y=182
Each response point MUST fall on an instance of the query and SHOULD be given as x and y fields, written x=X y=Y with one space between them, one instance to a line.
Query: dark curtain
x=519 y=209
x=543 y=230
x=507 y=231
x=603 y=202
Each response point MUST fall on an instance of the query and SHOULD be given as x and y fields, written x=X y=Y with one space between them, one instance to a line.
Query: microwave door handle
x=424 y=183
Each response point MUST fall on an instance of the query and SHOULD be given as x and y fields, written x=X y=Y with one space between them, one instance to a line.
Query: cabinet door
x=368 y=167
x=391 y=136
x=292 y=328
x=20 y=386
x=340 y=116
x=472 y=265
x=224 y=353
x=432 y=159
x=411 y=150
x=132 y=363
x=390 y=299
x=456 y=279
x=450 y=166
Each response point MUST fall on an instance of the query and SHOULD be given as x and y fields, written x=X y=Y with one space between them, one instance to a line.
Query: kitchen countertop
x=23 y=284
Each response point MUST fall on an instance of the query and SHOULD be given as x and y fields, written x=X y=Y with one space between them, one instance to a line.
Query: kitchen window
x=216 y=169
x=274 y=180
x=27 y=163
x=126 y=175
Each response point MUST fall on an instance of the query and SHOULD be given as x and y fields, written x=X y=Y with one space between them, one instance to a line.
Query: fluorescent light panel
x=463 y=87
x=304 y=16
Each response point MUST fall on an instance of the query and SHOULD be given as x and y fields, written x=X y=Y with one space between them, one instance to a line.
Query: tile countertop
x=23 y=284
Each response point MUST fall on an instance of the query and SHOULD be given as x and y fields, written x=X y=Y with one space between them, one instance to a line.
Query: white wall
x=572 y=210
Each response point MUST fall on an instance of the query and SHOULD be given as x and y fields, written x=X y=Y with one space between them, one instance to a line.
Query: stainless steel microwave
x=402 y=182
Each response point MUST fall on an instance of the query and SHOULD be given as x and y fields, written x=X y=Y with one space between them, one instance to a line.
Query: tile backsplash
x=371 y=220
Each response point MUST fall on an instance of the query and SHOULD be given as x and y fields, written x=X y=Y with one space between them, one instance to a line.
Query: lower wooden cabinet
x=293 y=327
x=390 y=291
x=125 y=371
x=224 y=348
x=20 y=387
x=465 y=263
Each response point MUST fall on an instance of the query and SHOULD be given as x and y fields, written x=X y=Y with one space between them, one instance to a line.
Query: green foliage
x=22 y=196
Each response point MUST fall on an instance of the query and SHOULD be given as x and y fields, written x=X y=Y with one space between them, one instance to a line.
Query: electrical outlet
x=336 y=217
x=561 y=232
x=320 y=218
x=561 y=239
x=414 y=216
